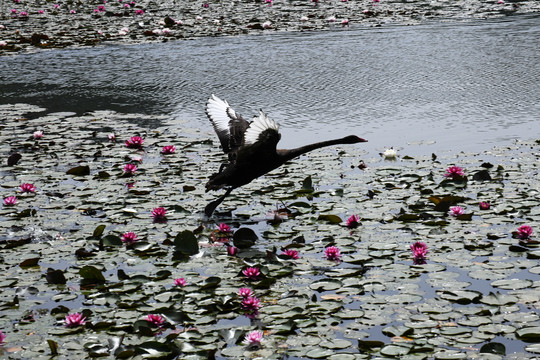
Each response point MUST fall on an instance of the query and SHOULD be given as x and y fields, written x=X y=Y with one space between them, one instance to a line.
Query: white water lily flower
x=390 y=153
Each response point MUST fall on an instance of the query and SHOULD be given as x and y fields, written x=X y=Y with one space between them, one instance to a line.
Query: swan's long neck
x=292 y=153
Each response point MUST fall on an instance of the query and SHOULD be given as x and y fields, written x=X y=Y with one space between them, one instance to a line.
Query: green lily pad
x=529 y=334
x=326 y=285
x=244 y=238
x=82 y=170
x=186 y=243
x=499 y=299
x=91 y=273
x=333 y=219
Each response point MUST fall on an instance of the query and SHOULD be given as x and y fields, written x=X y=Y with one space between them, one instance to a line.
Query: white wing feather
x=258 y=125
x=218 y=113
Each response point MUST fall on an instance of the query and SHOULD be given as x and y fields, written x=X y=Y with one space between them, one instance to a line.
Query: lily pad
x=91 y=273
x=186 y=243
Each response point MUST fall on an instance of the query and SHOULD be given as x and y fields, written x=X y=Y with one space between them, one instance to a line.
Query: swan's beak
x=362 y=140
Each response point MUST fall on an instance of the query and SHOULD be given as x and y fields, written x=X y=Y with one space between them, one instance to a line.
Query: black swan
x=251 y=147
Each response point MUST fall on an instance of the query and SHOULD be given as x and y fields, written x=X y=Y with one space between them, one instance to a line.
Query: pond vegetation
x=340 y=254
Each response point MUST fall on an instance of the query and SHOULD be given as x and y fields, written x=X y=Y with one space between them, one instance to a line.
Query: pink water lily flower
x=135 y=142
x=524 y=232
x=253 y=339
x=250 y=303
x=454 y=172
x=232 y=250
x=245 y=292
x=156 y=320
x=456 y=211
x=181 y=282
x=74 y=320
x=159 y=214
x=224 y=228
x=168 y=149
x=130 y=169
x=129 y=237
x=139 y=11
x=353 y=221
x=38 y=134
x=2 y=337
x=293 y=254
x=28 y=188
x=222 y=234
x=111 y=137
x=332 y=253
x=419 y=250
x=484 y=205
x=251 y=273
x=10 y=201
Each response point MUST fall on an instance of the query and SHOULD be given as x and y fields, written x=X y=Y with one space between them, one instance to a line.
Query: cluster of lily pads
x=326 y=261
x=34 y=24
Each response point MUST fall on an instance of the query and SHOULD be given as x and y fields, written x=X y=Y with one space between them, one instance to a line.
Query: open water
x=448 y=85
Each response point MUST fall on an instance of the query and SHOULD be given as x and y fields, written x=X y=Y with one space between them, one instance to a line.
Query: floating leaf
x=55 y=276
x=333 y=219
x=13 y=159
x=111 y=240
x=307 y=184
x=443 y=203
x=32 y=259
x=326 y=285
x=82 y=170
x=498 y=299
x=396 y=350
x=529 y=334
x=244 y=238
x=461 y=296
x=53 y=346
x=482 y=175
x=210 y=283
x=98 y=231
x=186 y=243
x=369 y=345
x=91 y=273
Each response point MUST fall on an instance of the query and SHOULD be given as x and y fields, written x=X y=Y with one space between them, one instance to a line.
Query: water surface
x=465 y=86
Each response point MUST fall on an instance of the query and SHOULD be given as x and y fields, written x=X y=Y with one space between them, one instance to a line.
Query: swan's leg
x=209 y=209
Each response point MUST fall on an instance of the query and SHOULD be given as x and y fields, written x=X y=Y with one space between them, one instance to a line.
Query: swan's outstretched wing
x=228 y=124
x=261 y=137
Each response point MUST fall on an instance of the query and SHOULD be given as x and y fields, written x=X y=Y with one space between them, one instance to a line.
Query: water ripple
x=445 y=82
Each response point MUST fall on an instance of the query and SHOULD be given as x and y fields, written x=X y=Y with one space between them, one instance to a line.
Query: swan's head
x=353 y=139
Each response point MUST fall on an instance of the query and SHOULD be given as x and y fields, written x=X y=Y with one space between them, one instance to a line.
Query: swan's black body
x=251 y=148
